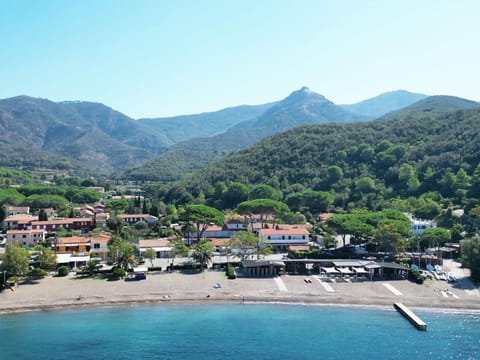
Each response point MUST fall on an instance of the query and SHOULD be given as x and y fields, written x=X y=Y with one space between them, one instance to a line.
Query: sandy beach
x=161 y=287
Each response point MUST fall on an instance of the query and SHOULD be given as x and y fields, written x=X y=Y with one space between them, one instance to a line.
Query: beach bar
x=410 y=316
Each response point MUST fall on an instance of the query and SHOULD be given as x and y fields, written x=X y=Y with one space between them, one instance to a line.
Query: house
x=26 y=237
x=234 y=224
x=18 y=221
x=75 y=245
x=82 y=224
x=419 y=226
x=282 y=236
x=220 y=245
x=161 y=246
x=101 y=220
x=99 y=244
x=15 y=210
x=132 y=219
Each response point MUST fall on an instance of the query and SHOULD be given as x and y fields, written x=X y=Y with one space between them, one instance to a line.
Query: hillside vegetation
x=359 y=164
x=41 y=133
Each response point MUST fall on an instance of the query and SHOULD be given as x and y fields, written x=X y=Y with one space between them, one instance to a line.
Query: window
x=24 y=236
x=96 y=246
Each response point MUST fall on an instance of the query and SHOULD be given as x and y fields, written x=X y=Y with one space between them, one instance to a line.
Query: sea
x=237 y=331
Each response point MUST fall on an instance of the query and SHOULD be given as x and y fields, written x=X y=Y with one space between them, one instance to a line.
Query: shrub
x=63 y=270
x=119 y=273
x=37 y=273
x=231 y=272
x=414 y=275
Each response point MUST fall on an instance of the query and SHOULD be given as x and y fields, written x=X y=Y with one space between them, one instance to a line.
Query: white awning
x=157 y=249
x=360 y=270
x=68 y=258
x=330 y=270
x=345 y=270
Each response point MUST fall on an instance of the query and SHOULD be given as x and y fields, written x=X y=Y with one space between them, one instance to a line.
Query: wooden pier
x=414 y=319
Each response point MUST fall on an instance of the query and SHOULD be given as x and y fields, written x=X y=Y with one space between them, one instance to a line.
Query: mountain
x=300 y=108
x=406 y=155
x=384 y=103
x=436 y=103
x=90 y=135
x=181 y=128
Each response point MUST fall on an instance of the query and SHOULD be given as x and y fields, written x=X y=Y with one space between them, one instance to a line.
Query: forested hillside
x=40 y=133
x=299 y=108
x=359 y=165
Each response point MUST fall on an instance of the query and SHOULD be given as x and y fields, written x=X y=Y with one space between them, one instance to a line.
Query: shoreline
x=71 y=292
x=300 y=301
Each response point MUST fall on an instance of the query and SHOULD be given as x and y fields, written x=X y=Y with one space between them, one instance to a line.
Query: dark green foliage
x=119 y=273
x=37 y=273
x=471 y=256
x=414 y=275
x=413 y=154
x=230 y=272
x=63 y=270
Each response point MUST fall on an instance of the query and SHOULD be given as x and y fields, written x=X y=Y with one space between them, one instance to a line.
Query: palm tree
x=202 y=253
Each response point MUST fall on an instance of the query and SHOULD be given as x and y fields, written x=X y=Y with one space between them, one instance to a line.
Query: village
x=241 y=254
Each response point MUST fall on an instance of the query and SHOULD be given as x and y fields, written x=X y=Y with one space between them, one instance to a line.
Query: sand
x=54 y=293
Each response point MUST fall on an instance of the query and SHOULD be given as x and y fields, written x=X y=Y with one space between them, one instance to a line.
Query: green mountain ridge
x=384 y=103
x=406 y=155
x=299 y=108
x=90 y=135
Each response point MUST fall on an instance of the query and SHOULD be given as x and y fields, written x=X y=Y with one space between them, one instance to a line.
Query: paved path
x=392 y=289
x=280 y=284
x=326 y=286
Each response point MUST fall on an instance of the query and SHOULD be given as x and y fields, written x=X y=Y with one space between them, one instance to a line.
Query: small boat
x=451 y=277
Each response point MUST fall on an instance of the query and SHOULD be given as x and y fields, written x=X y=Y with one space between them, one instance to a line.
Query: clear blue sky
x=151 y=58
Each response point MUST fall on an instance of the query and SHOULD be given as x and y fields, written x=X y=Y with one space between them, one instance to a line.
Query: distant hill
x=436 y=103
x=181 y=128
x=39 y=132
x=299 y=108
x=384 y=103
x=406 y=155
x=302 y=107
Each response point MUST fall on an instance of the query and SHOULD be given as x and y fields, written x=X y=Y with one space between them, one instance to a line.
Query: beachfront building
x=282 y=236
x=27 y=237
x=263 y=268
x=75 y=245
x=161 y=247
x=99 y=245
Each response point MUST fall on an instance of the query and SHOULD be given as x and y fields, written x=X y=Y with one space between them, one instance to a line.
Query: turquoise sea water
x=237 y=332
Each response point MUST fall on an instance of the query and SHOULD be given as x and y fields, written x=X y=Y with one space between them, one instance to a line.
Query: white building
x=26 y=237
x=418 y=226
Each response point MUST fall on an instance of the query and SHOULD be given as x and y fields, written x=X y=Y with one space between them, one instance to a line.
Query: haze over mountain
x=299 y=108
x=302 y=107
x=93 y=137
x=384 y=103
x=185 y=127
